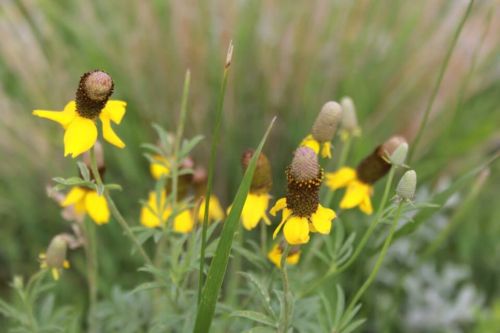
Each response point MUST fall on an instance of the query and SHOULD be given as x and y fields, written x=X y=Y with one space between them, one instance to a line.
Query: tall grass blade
x=218 y=266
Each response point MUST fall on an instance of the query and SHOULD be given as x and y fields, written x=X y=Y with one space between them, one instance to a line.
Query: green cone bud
x=325 y=125
x=407 y=185
x=398 y=157
x=56 y=252
x=349 y=119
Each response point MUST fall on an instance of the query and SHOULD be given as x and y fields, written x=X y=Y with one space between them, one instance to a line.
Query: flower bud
x=398 y=157
x=93 y=92
x=349 y=119
x=262 y=180
x=56 y=252
x=325 y=125
x=305 y=164
x=407 y=185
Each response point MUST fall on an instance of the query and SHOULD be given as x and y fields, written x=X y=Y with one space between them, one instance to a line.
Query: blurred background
x=289 y=59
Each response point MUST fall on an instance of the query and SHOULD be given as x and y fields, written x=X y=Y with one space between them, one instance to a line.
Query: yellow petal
x=279 y=205
x=310 y=142
x=296 y=230
x=66 y=264
x=79 y=137
x=64 y=117
x=215 y=211
x=366 y=206
x=74 y=196
x=114 y=110
x=293 y=259
x=275 y=256
x=326 y=150
x=55 y=273
x=254 y=209
x=355 y=194
x=340 y=178
x=109 y=134
x=149 y=213
x=183 y=222
x=284 y=217
x=97 y=207
x=322 y=220
x=162 y=168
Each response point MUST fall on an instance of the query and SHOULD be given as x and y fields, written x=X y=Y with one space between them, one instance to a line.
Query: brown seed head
x=93 y=92
x=262 y=180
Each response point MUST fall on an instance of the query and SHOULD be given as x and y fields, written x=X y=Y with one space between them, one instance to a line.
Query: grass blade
x=218 y=266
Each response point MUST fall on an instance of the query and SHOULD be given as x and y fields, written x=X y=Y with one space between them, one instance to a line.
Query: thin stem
x=342 y=159
x=334 y=269
x=92 y=270
x=115 y=212
x=211 y=167
x=444 y=66
x=263 y=238
x=379 y=262
x=284 y=277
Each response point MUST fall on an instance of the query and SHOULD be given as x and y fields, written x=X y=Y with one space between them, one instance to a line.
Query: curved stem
x=379 y=262
x=334 y=269
x=284 y=278
x=115 y=212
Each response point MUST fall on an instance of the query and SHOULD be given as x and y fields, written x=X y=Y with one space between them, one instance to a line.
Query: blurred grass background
x=290 y=58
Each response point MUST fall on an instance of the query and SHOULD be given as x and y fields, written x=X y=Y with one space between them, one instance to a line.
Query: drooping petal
x=310 y=142
x=109 y=134
x=79 y=137
x=284 y=217
x=114 y=110
x=355 y=194
x=326 y=150
x=149 y=213
x=279 y=205
x=161 y=168
x=341 y=178
x=215 y=211
x=64 y=117
x=183 y=222
x=322 y=220
x=293 y=259
x=97 y=207
x=254 y=209
x=366 y=205
x=75 y=195
x=296 y=230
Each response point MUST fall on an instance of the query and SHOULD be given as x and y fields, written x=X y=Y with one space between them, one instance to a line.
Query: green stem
x=334 y=269
x=211 y=167
x=115 y=212
x=284 y=277
x=263 y=238
x=92 y=271
x=442 y=70
x=379 y=262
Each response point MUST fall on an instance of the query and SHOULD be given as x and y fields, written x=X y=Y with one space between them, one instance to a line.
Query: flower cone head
x=389 y=147
x=325 y=125
x=56 y=252
x=349 y=123
x=262 y=180
x=93 y=92
x=407 y=185
x=304 y=164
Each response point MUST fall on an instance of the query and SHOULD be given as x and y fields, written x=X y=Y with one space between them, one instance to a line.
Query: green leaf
x=255 y=316
x=188 y=145
x=84 y=170
x=219 y=263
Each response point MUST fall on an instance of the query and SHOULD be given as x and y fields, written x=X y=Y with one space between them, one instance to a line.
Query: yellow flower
x=80 y=133
x=315 y=145
x=55 y=258
x=276 y=252
x=87 y=201
x=296 y=228
x=155 y=214
x=160 y=168
x=215 y=211
x=358 y=193
x=254 y=210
